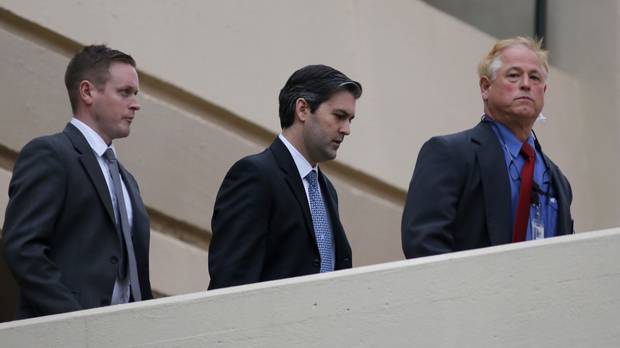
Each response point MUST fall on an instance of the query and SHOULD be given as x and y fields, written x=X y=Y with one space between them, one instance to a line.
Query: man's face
x=115 y=103
x=517 y=94
x=325 y=129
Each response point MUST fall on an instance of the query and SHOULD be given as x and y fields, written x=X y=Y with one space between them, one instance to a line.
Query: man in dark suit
x=76 y=233
x=491 y=184
x=276 y=213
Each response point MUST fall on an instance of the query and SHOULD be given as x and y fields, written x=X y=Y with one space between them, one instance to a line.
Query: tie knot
x=527 y=151
x=311 y=177
x=109 y=155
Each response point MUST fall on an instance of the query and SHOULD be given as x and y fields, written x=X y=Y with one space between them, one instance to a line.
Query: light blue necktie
x=320 y=221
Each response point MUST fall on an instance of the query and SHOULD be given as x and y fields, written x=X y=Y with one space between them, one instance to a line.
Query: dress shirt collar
x=512 y=143
x=94 y=140
x=302 y=164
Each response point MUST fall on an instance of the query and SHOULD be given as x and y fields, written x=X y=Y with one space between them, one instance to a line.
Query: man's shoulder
x=260 y=168
x=262 y=161
x=57 y=142
x=456 y=148
x=457 y=142
x=460 y=137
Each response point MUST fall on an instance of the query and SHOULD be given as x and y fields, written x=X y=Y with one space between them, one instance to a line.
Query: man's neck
x=88 y=121
x=520 y=130
x=296 y=140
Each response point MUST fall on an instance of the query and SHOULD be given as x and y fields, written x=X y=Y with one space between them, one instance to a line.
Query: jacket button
x=114 y=260
x=316 y=263
x=346 y=259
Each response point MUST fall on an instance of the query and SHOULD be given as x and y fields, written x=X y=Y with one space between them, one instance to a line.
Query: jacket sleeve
x=430 y=209
x=36 y=195
x=239 y=226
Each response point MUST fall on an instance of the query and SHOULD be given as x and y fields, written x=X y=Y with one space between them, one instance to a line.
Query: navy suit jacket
x=59 y=234
x=459 y=195
x=262 y=227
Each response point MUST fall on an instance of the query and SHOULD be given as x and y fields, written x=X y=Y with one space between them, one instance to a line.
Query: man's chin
x=526 y=114
x=331 y=156
x=121 y=134
x=328 y=155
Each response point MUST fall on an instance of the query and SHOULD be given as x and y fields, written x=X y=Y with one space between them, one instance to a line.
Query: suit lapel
x=134 y=197
x=291 y=175
x=341 y=244
x=495 y=184
x=331 y=203
x=90 y=164
x=563 y=218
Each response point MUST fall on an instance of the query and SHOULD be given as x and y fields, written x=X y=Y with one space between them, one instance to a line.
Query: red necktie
x=525 y=194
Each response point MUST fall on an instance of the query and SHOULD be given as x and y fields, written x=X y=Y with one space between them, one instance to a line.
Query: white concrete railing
x=561 y=292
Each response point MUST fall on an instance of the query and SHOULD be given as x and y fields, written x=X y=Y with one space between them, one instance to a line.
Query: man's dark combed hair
x=315 y=84
x=92 y=63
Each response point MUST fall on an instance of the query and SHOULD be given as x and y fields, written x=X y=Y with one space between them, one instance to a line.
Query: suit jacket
x=60 y=239
x=262 y=227
x=459 y=195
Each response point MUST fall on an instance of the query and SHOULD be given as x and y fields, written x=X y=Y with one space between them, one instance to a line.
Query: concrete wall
x=560 y=292
x=211 y=71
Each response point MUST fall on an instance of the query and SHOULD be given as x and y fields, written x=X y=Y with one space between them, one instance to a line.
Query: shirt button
x=114 y=260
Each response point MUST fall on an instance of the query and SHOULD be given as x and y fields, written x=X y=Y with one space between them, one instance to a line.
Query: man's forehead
x=521 y=57
x=524 y=66
x=123 y=73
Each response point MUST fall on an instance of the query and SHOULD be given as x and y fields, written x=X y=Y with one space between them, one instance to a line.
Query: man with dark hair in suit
x=491 y=184
x=76 y=233
x=276 y=213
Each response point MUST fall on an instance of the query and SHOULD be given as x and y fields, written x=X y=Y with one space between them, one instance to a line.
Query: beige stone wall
x=564 y=293
x=211 y=72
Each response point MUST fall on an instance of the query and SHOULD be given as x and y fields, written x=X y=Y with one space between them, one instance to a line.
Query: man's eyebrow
x=343 y=111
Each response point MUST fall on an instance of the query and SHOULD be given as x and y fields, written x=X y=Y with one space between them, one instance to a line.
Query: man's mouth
x=524 y=98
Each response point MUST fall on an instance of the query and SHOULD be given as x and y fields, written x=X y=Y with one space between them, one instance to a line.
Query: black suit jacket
x=60 y=239
x=459 y=195
x=262 y=227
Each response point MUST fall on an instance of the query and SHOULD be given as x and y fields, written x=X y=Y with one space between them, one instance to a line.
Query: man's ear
x=485 y=85
x=302 y=109
x=86 y=89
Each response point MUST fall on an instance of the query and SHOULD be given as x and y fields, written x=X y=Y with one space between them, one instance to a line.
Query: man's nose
x=526 y=83
x=135 y=105
x=345 y=127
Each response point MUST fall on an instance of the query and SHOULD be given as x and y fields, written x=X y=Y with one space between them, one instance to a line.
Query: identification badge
x=538 y=226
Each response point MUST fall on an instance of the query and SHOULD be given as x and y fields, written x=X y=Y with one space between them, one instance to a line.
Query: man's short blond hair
x=492 y=61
